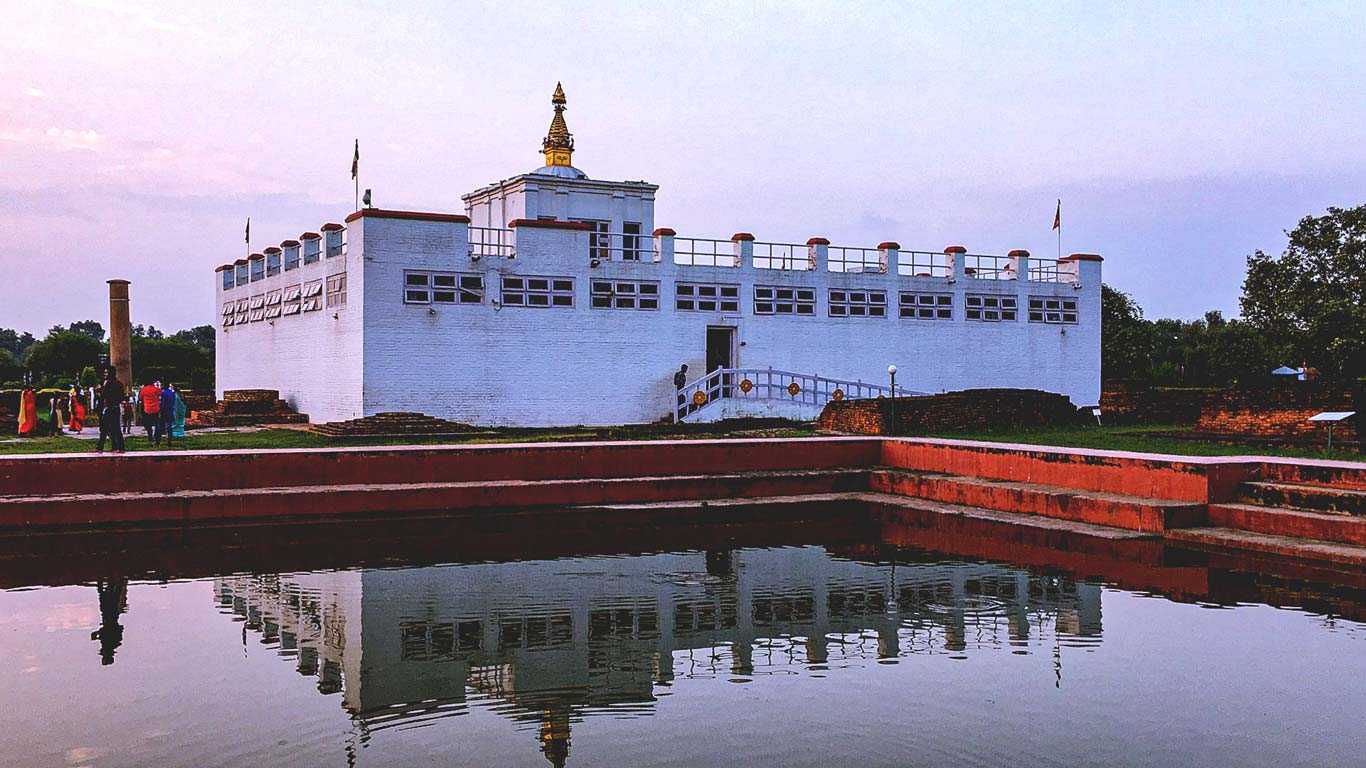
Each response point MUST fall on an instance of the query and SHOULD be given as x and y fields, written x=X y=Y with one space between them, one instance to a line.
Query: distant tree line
x=1305 y=307
x=71 y=354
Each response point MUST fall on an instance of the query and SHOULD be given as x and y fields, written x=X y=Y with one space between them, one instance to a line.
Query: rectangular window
x=312 y=247
x=227 y=280
x=926 y=306
x=272 y=264
x=776 y=300
x=599 y=238
x=417 y=288
x=258 y=307
x=229 y=312
x=240 y=274
x=258 y=269
x=538 y=292
x=292 y=255
x=624 y=294
x=313 y=296
x=990 y=308
x=334 y=245
x=1048 y=309
x=857 y=303
x=292 y=300
x=630 y=240
x=707 y=297
x=336 y=290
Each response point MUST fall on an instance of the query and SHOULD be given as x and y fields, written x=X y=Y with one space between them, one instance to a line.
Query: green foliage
x=174 y=359
x=1310 y=302
x=10 y=369
x=16 y=343
x=89 y=376
x=63 y=354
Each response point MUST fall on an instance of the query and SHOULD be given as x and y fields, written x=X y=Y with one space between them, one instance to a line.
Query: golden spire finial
x=558 y=146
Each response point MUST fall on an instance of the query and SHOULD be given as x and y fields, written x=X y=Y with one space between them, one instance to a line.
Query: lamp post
x=891 y=419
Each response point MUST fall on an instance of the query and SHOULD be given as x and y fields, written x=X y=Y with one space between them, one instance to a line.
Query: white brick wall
x=496 y=365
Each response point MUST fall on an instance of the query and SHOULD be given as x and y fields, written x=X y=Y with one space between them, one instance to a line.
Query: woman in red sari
x=77 y=408
x=28 y=413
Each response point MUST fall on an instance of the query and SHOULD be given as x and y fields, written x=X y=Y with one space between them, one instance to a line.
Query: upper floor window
x=624 y=294
x=292 y=255
x=313 y=296
x=539 y=292
x=1051 y=309
x=334 y=244
x=707 y=297
x=292 y=300
x=227 y=279
x=777 y=300
x=442 y=288
x=926 y=306
x=599 y=238
x=336 y=290
x=272 y=263
x=990 y=308
x=240 y=274
x=312 y=247
x=855 y=303
x=630 y=241
x=258 y=269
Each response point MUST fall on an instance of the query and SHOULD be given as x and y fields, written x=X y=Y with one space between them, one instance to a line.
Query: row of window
x=549 y=292
x=291 y=300
x=288 y=258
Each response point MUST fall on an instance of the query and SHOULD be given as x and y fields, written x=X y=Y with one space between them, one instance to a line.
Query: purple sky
x=134 y=140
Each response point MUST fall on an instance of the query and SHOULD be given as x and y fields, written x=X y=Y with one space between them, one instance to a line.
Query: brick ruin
x=964 y=411
x=247 y=407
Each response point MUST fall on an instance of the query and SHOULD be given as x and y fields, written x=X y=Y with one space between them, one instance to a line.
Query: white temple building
x=555 y=300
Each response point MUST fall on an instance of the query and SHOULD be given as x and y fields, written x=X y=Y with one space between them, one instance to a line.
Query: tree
x=1126 y=338
x=90 y=328
x=10 y=369
x=201 y=336
x=147 y=332
x=175 y=360
x=16 y=343
x=1310 y=302
x=63 y=354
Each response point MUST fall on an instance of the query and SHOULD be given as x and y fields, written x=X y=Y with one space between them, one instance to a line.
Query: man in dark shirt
x=110 y=397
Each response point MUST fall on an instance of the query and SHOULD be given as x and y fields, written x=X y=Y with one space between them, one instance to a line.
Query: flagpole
x=1059 y=229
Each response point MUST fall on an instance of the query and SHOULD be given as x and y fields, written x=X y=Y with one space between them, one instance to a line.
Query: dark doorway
x=721 y=354
x=720 y=348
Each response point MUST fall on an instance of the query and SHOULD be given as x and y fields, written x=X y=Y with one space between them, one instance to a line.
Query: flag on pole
x=355 y=161
x=1057 y=216
x=248 y=237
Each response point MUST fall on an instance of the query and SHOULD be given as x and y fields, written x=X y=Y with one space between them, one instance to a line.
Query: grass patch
x=1145 y=439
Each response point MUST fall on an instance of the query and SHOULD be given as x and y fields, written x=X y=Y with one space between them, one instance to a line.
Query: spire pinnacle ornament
x=558 y=145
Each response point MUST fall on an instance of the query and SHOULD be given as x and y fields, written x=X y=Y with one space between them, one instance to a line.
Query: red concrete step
x=1281 y=546
x=1302 y=523
x=330 y=500
x=1095 y=507
x=1349 y=501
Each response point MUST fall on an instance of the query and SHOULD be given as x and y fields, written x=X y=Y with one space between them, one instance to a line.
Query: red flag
x=355 y=161
x=1057 y=216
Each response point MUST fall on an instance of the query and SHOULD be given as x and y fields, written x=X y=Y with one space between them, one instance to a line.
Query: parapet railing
x=757 y=384
x=788 y=256
x=705 y=252
x=492 y=241
x=923 y=264
x=842 y=258
x=984 y=267
x=1047 y=271
x=621 y=246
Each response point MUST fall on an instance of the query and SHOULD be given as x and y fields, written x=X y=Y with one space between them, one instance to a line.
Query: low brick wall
x=965 y=411
x=1277 y=414
x=1153 y=405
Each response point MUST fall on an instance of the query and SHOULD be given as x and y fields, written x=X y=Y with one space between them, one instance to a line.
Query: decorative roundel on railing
x=793 y=389
x=699 y=398
x=746 y=385
x=837 y=395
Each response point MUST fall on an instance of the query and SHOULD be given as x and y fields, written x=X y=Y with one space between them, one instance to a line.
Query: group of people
x=66 y=413
x=158 y=406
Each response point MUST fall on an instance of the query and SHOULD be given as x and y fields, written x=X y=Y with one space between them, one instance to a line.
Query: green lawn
x=1145 y=439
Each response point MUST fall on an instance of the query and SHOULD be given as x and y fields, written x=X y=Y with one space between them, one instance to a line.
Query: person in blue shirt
x=167 y=412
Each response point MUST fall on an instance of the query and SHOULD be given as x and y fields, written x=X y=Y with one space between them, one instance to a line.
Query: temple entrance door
x=721 y=351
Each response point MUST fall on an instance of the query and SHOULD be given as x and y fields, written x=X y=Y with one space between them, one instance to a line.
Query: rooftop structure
x=554 y=299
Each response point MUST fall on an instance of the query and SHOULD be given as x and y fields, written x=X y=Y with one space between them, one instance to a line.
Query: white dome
x=560 y=171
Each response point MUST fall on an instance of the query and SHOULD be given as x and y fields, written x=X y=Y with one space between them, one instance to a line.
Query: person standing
x=77 y=422
x=126 y=408
x=109 y=400
x=149 y=397
x=168 y=401
x=680 y=381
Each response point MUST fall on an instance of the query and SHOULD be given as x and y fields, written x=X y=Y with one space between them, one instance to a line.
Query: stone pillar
x=889 y=257
x=744 y=249
x=1019 y=264
x=957 y=261
x=120 y=332
x=817 y=252
x=664 y=245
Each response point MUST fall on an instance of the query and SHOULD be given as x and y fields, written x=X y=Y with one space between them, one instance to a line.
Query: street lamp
x=891 y=420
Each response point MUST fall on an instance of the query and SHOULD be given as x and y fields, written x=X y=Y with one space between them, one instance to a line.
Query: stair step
x=1094 y=507
x=1304 y=523
x=1282 y=546
x=329 y=500
x=1324 y=498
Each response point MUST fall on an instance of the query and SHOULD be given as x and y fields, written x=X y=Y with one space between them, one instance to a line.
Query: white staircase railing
x=757 y=384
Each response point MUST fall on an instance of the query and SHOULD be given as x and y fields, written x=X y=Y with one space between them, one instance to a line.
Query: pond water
x=718 y=643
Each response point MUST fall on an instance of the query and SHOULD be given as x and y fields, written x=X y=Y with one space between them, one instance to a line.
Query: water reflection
x=113 y=596
x=547 y=642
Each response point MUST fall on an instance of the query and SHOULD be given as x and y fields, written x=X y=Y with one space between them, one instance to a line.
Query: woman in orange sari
x=28 y=413
x=77 y=408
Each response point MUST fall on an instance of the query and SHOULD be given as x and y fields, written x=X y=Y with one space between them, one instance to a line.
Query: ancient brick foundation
x=247 y=407
x=968 y=410
x=1277 y=415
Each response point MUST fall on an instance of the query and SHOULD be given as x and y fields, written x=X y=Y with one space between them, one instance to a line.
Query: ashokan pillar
x=120 y=332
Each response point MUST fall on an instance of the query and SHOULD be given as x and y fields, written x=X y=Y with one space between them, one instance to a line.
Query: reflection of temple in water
x=551 y=640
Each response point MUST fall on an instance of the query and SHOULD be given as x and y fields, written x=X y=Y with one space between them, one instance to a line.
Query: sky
x=136 y=138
